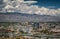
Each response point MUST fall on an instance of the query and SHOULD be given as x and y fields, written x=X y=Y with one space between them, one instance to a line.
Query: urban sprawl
x=29 y=30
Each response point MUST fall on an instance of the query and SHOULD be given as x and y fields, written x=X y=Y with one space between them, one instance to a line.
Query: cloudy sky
x=42 y=7
x=52 y=5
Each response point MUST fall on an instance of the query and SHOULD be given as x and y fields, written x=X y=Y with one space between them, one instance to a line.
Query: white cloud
x=33 y=9
x=29 y=1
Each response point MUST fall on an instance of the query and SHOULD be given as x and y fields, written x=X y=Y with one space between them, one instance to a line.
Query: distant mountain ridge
x=21 y=17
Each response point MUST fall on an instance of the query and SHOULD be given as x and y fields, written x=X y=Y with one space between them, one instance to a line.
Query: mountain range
x=21 y=17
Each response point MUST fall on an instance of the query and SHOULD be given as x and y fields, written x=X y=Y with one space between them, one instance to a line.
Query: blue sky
x=49 y=3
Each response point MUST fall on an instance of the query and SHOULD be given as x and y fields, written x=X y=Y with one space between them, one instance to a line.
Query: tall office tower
x=36 y=25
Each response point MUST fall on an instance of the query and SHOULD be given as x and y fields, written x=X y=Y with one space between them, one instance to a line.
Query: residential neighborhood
x=28 y=29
